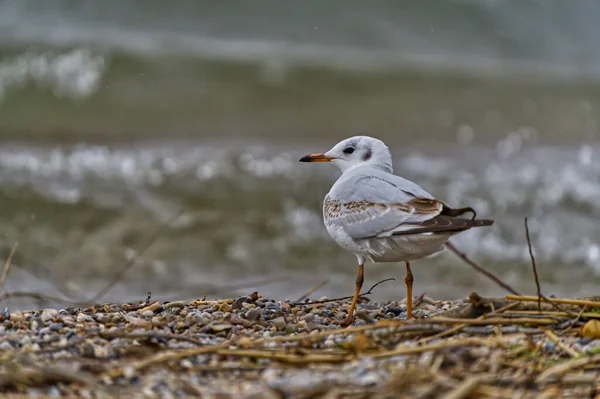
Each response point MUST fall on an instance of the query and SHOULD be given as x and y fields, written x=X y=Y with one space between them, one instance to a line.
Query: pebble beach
x=255 y=347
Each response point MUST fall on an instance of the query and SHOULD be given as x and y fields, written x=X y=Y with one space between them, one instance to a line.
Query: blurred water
x=116 y=115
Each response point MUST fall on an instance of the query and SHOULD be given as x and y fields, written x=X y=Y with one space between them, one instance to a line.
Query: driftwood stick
x=370 y=291
x=537 y=280
x=565 y=301
x=535 y=273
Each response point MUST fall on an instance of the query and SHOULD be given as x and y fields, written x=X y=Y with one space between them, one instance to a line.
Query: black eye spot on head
x=367 y=155
x=348 y=150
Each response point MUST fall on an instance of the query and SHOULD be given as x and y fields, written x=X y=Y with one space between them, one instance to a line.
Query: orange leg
x=409 y=283
x=359 y=282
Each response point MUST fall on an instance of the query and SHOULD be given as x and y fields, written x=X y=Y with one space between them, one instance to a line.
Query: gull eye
x=349 y=150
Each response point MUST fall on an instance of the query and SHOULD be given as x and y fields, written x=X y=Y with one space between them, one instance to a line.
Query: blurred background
x=117 y=115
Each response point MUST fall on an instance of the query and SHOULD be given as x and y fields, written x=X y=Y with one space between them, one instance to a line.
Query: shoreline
x=255 y=347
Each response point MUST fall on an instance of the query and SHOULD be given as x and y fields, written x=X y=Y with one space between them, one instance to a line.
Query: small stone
x=584 y=341
x=36 y=323
x=549 y=346
x=220 y=327
x=88 y=350
x=82 y=317
x=17 y=316
x=6 y=346
x=237 y=320
x=312 y=326
x=158 y=321
x=253 y=314
x=309 y=317
x=147 y=313
x=154 y=308
x=114 y=308
x=48 y=314
x=55 y=327
x=239 y=303
x=103 y=318
x=138 y=322
x=176 y=304
x=591 y=329
x=225 y=307
x=180 y=326
x=52 y=337
x=279 y=323
x=395 y=311
x=100 y=352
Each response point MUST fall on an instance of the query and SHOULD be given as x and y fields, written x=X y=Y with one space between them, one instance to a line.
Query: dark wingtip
x=483 y=222
x=305 y=158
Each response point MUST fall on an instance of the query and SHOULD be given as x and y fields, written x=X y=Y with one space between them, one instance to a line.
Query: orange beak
x=316 y=158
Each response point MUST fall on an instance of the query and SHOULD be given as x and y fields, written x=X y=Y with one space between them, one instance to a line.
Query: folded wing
x=372 y=214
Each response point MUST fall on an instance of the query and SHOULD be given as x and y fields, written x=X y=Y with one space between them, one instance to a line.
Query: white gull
x=381 y=217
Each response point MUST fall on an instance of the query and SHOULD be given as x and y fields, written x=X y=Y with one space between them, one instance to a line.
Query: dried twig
x=150 y=334
x=467 y=387
x=33 y=375
x=565 y=301
x=161 y=357
x=412 y=350
x=480 y=269
x=419 y=300
x=370 y=291
x=123 y=334
x=291 y=358
x=554 y=338
x=312 y=290
x=461 y=326
x=589 y=315
x=563 y=368
x=535 y=273
x=489 y=321
x=136 y=259
x=7 y=265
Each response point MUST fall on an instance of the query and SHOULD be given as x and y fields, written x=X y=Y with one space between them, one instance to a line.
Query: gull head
x=355 y=151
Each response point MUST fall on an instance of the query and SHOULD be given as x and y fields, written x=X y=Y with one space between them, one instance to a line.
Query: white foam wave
x=562 y=199
x=76 y=73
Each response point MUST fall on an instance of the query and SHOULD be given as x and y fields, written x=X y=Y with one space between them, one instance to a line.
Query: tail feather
x=482 y=222
x=444 y=224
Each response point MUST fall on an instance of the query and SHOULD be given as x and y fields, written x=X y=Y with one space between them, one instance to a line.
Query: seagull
x=381 y=217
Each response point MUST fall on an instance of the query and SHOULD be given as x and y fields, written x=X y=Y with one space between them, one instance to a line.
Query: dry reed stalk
x=554 y=338
x=565 y=301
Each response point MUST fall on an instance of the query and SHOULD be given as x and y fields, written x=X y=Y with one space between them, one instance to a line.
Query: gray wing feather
x=377 y=204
